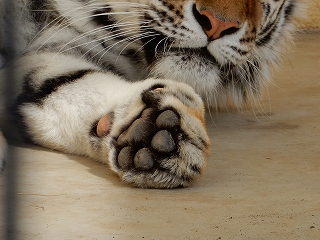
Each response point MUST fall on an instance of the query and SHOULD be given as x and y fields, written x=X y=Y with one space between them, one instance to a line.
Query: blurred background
x=312 y=21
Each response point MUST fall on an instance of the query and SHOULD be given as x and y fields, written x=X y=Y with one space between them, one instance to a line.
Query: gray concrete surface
x=262 y=180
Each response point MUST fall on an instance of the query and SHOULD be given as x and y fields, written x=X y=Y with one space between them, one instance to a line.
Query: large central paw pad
x=148 y=140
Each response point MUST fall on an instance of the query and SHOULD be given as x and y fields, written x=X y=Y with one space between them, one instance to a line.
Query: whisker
x=65 y=26
x=56 y=20
x=131 y=42
x=97 y=30
x=138 y=37
x=147 y=42
x=158 y=44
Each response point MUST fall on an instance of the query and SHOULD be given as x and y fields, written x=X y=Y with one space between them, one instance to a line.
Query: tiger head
x=222 y=48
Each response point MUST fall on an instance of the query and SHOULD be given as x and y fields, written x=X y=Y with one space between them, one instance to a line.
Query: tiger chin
x=127 y=82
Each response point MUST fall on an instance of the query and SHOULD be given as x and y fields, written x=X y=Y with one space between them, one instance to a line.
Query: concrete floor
x=262 y=180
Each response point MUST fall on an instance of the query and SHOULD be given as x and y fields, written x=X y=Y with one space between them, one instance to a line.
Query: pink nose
x=218 y=28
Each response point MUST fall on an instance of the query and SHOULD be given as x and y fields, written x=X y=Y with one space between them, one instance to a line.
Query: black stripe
x=266 y=9
x=151 y=44
x=266 y=39
x=268 y=31
x=17 y=119
x=31 y=95
x=270 y=28
x=288 y=11
x=103 y=17
x=238 y=50
x=38 y=10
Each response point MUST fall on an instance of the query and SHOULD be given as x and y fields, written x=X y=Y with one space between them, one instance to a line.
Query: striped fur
x=79 y=60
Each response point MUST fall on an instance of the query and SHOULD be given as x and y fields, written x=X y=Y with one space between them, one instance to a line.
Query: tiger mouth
x=201 y=53
x=160 y=47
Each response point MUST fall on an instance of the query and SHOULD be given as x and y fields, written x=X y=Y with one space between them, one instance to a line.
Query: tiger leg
x=153 y=131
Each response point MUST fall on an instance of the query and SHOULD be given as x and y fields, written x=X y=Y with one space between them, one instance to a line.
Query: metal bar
x=11 y=166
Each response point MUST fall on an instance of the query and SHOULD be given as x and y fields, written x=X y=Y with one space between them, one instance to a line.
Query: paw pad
x=148 y=140
x=163 y=142
x=136 y=132
x=167 y=119
x=124 y=158
x=143 y=160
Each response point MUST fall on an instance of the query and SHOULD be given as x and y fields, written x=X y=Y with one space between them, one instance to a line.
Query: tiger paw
x=165 y=144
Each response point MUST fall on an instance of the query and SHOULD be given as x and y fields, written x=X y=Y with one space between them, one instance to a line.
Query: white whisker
x=101 y=38
x=70 y=23
x=137 y=37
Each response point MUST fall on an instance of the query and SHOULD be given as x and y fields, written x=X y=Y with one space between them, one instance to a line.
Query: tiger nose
x=215 y=28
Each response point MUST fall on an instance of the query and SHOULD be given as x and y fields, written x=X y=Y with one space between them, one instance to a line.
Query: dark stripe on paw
x=31 y=95
x=18 y=120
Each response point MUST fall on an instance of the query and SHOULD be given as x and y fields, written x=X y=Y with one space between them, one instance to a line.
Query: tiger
x=128 y=82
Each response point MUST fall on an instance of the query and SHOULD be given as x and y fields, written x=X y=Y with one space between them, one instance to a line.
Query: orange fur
x=232 y=10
